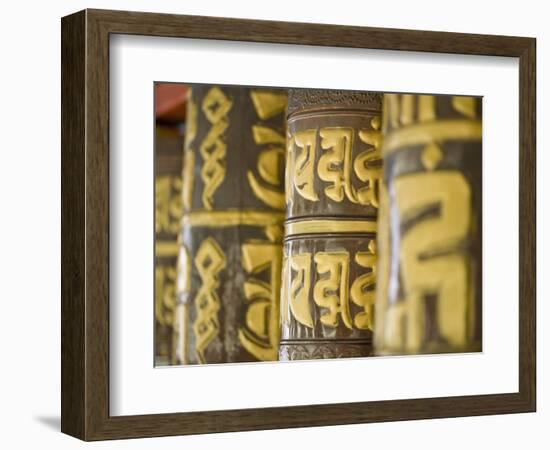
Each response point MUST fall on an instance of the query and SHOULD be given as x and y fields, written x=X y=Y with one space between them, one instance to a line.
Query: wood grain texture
x=527 y=224
x=85 y=224
x=72 y=223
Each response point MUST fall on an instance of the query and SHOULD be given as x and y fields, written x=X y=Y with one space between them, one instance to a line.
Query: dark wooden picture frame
x=85 y=224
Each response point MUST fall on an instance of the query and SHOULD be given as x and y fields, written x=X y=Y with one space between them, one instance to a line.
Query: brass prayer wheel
x=168 y=211
x=332 y=175
x=231 y=240
x=429 y=275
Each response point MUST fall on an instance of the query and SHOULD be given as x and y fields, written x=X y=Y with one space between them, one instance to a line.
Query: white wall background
x=30 y=225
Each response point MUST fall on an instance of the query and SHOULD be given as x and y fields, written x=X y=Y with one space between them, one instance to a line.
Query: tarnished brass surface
x=429 y=283
x=232 y=226
x=332 y=177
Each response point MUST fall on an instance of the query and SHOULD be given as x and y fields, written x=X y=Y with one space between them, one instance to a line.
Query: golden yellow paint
x=265 y=135
x=391 y=110
x=262 y=335
x=191 y=123
x=405 y=325
x=426 y=133
x=166 y=249
x=403 y=110
x=168 y=204
x=213 y=150
x=188 y=179
x=209 y=261
x=189 y=153
x=444 y=275
x=268 y=103
x=268 y=186
x=165 y=294
x=431 y=259
x=269 y=189
x=465 y=105
x=323 y=226
x=216 y=105
x=431 y=156
x=274 y=232
x=407 y=109
x=270 y=165
x=426 y=108
x=331 y=292
x=362 y=291
x=335 y=164
x=366 y=170
x=304 y=163
x=384 y=250
x=299 y=288
x=232 y=217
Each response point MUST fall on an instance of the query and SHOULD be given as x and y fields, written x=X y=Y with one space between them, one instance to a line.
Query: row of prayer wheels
x=327 y=224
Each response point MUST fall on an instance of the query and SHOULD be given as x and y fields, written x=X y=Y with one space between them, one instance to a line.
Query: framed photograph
x=273 y=225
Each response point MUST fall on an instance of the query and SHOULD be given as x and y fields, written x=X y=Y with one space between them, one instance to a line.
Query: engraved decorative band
x=228 y=218
x=426 y=133
x=331 y=113
x=318 y=226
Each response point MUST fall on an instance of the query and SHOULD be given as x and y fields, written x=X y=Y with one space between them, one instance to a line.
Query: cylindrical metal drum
x=231 y=241
x=168 y=210
x=329 y=266
x=429 y=285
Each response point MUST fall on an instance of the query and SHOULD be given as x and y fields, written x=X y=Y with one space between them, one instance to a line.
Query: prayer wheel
x=429 y=275
x=329 y=264
x=168 y=210
x=231 y=238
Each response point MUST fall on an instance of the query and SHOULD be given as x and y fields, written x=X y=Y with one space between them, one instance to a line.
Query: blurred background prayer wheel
x=169 y=113
x=329 y=266
x=429 y=274
x=231 y=239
